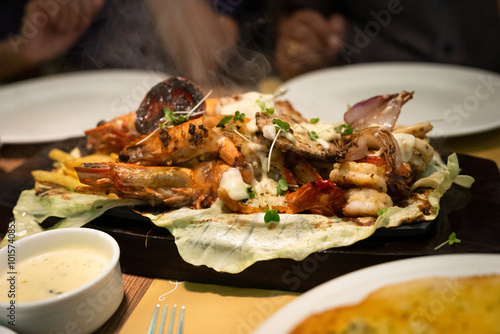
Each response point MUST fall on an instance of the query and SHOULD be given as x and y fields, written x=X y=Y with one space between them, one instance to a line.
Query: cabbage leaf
x=229 y=242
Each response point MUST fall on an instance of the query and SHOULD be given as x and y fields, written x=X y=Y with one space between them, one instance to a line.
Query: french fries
x=57 y=178
x=64 y=173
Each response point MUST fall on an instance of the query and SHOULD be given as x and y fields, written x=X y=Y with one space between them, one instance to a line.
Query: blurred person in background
x=238 y=42
x=188 y=38
x=34 y=32
x=315 y=34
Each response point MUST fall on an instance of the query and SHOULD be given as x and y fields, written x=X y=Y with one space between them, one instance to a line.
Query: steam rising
x=203 y=45
x=185 y=38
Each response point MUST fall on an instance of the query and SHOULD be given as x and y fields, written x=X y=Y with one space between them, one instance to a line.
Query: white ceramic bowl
x=82 y=310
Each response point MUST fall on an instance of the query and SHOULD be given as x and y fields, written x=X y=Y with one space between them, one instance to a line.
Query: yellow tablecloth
x=209 y=308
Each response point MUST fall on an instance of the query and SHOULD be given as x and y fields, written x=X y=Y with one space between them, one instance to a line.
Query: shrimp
x=173 y=145
x=176 y=93
x=365 y=202
x=359 y=174
x=113 y=136
x=172 y=186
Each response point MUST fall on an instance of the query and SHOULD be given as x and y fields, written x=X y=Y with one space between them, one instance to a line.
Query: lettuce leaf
x=231 y=242
x=74 y=209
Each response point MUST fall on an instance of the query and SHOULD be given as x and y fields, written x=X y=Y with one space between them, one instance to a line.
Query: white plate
x=5 y=330
x=63 y=106
x=457 y=100
x=354 y=287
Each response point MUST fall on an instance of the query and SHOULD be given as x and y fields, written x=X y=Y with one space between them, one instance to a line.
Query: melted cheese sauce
x=248 y=105
x=58 y=271
x=406 y=144
x=232 y=181
x=325 y=131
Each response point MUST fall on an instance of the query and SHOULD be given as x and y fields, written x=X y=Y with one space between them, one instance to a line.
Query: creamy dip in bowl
x=60 y=281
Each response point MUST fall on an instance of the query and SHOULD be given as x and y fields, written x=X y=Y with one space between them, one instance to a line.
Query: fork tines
x=180 y=323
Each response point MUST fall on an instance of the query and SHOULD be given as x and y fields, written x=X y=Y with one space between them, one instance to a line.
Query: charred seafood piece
x=176 y=93
x=299 y=140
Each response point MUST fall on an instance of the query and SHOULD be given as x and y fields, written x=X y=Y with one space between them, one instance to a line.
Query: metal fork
x=180 y=324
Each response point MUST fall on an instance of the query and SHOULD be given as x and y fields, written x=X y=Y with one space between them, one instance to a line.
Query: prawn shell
x=121 y=175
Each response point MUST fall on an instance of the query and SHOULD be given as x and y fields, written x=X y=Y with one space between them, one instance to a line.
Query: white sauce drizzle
x=233 y=182
x=247 y=105
x=269 y=131
x=406 y=143
x=324 y=130
x=323 y=143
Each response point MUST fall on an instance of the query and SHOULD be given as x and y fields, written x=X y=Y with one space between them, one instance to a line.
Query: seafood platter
x=246 y=190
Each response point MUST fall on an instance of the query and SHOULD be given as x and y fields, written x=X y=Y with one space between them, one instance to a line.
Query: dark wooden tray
x=148 y=250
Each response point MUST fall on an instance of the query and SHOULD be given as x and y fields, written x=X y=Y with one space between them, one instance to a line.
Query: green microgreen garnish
x=314 y=120
x=282 y=126
x=314 y=136
x=224 y=120
x=238 y=116
x=171 y=119
x=271 y=215
x=344 y=129
x=251 y=192
x=269 y=111
x=381 y=211
x=262 y=106
x=282 y=186
x=452 y=239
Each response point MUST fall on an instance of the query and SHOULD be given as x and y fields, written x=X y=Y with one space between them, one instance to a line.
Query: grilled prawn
x=173 y=145
x=176 y=93
x=172 y=186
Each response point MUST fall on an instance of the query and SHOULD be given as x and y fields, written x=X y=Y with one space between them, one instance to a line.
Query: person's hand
x=307 y=41
x=50 y=28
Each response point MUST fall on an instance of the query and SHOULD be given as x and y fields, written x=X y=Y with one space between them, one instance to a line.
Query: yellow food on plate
x=431 y=305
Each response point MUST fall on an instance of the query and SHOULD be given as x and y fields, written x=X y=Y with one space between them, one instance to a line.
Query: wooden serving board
x=148 y=250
